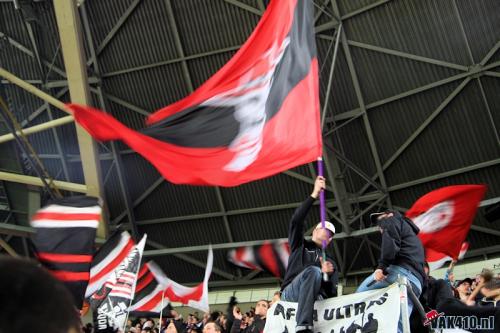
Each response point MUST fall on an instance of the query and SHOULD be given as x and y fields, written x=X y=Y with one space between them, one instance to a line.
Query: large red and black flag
x=112 y=301
x=271 y=257
x=257 y=116
x=107 y=259
x=65 y=232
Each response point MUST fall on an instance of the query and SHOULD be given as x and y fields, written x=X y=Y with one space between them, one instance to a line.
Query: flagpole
x=322 y=211
x=161 y=309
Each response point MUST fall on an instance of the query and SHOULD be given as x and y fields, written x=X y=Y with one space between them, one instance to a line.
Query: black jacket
x=401 y=246
x=306 y=253
x=256 y=327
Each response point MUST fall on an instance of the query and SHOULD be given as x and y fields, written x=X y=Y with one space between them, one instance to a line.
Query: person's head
x=149 y=323
x=321 y=234
x=376 y=218
x=464 y=285
x=276 y=298
x=31 y=299
x=486 y=276
x=171 y=328
x=261 y=308
x=211 y=327
x=223 y=319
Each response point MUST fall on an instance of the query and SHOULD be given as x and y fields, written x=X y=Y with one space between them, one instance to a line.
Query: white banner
x=370 y=311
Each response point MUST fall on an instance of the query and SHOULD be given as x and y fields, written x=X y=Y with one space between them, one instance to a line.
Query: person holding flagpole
x=303 y=282
x=401 y=254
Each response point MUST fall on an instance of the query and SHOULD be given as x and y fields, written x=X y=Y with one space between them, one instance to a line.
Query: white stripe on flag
x=42 y=223
x=124 y=238
x=119 y=294
x=148 y=298
x=70 y=210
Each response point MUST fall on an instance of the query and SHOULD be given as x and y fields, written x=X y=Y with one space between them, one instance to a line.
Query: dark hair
x=33 y=300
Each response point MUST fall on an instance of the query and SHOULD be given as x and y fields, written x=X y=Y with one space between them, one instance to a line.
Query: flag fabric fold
x=437 y=260
x=257 y=116
x=171 y=291
x=112 y=301
x=444 y=217
x=107 y=259
x=148 y=292
x=271 y=257
x=65 y=232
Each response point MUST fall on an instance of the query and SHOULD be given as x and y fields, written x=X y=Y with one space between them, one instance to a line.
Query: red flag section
x=436 y=259
x=444 y=217
x=257 y=116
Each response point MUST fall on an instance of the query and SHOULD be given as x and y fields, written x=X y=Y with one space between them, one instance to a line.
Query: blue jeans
x=304 y=289
x=392 y=277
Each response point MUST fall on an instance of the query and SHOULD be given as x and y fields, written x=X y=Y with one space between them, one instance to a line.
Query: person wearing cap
x=303 y=282
x=401 y=254
x=463 y=289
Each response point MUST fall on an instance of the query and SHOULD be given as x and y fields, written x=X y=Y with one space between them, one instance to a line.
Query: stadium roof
x=411 y=100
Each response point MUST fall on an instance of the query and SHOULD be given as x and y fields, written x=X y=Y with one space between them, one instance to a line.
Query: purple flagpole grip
x=322 y=212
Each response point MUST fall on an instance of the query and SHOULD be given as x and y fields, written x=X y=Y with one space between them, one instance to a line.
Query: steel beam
x=304 y=179
x=114 y=150
x=225 y=246
x=69 y=27
x=30 y=53
x=32 y=89
x=122 y=102
x=340 y=194
x=364 y=198
x=244 y=6
x=450 y=173
x=38 y=128
x=170 y=62
x=426 y=123
x=8 y=248
x=406 y=55
x=140 y=199
x=485 y=230
x=29 y=180
x=193 y=261
x=359 y=95
x=472 y=71
x=114 y=30
x=492 y=74
x=420 y=129
x=488 y=111
x=42 y=108
x=364 y=9
x=490 y=54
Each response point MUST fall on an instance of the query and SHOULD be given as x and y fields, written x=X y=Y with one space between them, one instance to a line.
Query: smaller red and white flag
x=437 y=259
x=111 y=302
x=195 y=297
x=271 y=257
x=149 y=291
x=444 y=217
x=106 y=260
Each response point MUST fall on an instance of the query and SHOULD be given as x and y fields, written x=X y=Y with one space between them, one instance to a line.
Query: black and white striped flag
x=65 y=232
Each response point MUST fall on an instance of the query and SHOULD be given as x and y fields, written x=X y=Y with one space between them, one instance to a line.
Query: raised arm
x=296 y=229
